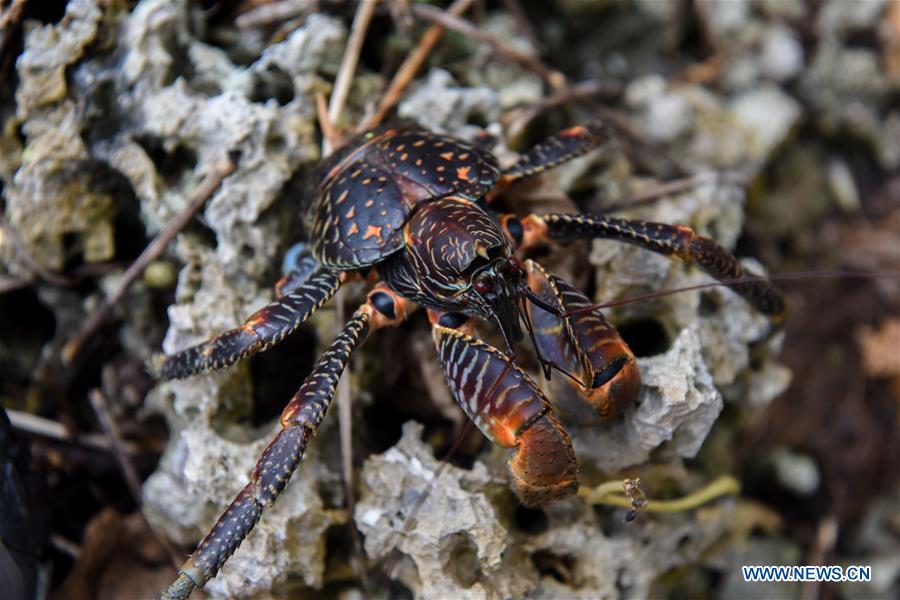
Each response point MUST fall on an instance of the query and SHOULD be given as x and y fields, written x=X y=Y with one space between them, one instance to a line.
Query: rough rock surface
x=466 y=540
x=158 y=112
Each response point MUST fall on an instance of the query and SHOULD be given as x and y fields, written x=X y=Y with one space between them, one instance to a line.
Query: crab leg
x=677 y=241
x=584 y=345
x=300 y=421
x=557 y=149
x=510 y=409
x=263 y=329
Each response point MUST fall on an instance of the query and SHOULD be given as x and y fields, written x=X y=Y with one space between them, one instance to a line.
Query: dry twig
x=401 y=15
x=554 y=79
x=518 y=119
x=153 y=250
x=410 y=67
x=129 y=473
x=277 y=12
x=345 y=408
x=675 y=186
x=35 y=425
x=329 y=134
x=525 y=27
x=348 y=66
x=132 y=480
x=618 y=122
x=11 y=285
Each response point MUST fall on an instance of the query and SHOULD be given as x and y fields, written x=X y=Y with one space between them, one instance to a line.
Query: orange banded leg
x=509 y=408
x=300 y=422
x=557 y=149
x=263 y=329
x=585 y=345
x=677 y=241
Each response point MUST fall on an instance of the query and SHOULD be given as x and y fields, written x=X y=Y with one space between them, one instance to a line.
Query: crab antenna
x=546 y=365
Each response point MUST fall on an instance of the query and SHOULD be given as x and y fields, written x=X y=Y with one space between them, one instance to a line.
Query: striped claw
x=509 y=408
x=584 y=345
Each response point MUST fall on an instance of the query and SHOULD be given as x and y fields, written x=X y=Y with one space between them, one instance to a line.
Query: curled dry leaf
x=881 y=348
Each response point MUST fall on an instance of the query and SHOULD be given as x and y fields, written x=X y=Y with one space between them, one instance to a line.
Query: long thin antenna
x=737 y=281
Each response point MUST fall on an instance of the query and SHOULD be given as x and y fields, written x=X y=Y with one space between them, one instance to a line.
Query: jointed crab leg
x=509 y=408
x=676 y=241
x=557 y=149
x=299 y=423
x=585 y=345
x=261 y=330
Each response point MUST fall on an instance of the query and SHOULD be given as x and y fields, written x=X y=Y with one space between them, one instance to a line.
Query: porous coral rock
x=52 y=197
x=456 y=518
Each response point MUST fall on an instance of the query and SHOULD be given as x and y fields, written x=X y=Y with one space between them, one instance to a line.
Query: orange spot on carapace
x=463 y=173
x=354 y=229
x=574 y=131
x=373 y=231
x=447 y=156
x=349 y=214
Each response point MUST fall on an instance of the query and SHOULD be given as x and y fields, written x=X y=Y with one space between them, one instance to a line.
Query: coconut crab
x=411 y=210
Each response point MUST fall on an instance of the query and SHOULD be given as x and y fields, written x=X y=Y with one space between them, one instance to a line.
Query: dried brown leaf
x=881 y=348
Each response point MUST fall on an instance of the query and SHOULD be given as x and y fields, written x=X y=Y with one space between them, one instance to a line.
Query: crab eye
x=484 y=286
x=514 y=264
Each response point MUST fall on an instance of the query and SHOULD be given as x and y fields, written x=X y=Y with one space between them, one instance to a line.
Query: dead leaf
x=881 y=348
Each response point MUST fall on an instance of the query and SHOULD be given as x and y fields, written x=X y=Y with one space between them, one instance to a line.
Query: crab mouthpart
x=506 y=313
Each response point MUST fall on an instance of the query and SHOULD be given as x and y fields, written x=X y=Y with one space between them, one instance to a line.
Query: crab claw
x=510 y=409
x=583 y=344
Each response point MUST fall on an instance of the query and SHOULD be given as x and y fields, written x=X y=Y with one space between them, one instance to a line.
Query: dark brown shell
x=363 y=194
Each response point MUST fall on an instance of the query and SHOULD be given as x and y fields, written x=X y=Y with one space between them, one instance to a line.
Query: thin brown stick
x=822 y=548
x=35 y=425
x=401 y=15
x=345 y=407
x=518 y=119
x=345 y=73
x=275 y=13
x=525 y=26
x=65 y=545
x=11 y=285
x=554 y=78
x=675 y=186
x=618 y=122
x=348 y=66
x=12 y=14
x=153 y=250
x=329 y=135
x=129 y=473
x=410 y=67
